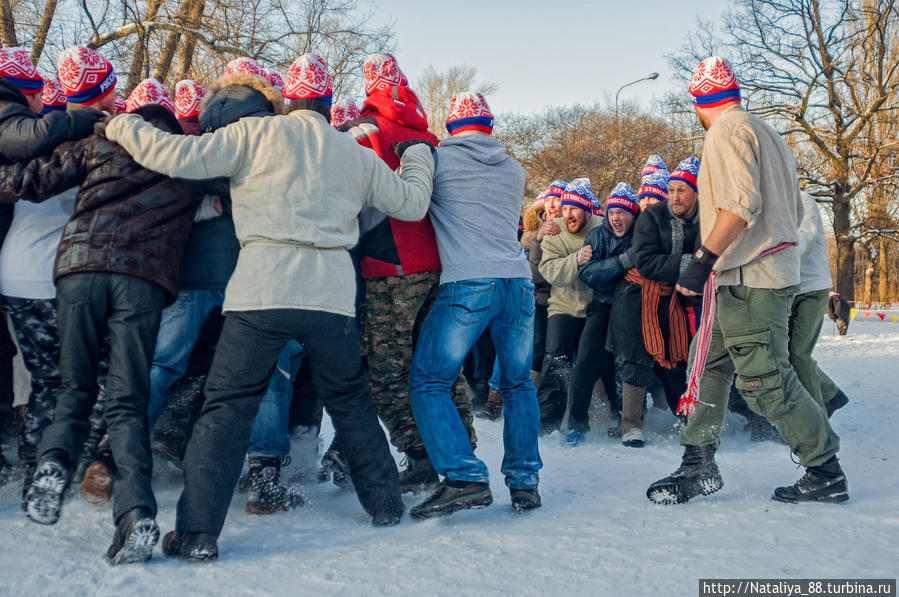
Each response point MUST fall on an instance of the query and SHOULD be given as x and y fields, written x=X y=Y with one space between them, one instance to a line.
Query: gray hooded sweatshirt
x=475 y=207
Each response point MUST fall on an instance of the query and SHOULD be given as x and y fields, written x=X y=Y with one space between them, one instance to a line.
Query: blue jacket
x=604 y=270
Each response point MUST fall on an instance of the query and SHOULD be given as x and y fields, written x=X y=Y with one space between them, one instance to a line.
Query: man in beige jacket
x=568 y=300
x=748 y=271
x=297 y=187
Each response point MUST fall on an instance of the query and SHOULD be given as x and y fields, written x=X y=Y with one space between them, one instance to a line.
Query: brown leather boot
x=96 y=488
x=494 y=407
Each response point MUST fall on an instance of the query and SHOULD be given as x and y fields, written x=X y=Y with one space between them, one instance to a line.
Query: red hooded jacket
x=394 y=247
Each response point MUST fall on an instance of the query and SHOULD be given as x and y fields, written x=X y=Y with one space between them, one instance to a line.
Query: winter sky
x=543 y=53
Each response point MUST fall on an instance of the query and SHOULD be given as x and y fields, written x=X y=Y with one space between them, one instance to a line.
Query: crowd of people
x=368 y=269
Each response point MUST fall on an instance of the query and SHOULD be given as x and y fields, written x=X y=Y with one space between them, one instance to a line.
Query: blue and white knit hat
x=623 y=197
x=687 y=171
x=653 y=163
x=555 y=188
x=655 y=185
x=579 y=194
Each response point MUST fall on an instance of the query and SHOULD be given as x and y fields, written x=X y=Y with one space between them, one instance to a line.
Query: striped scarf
x=688 y=402
x=678 y=344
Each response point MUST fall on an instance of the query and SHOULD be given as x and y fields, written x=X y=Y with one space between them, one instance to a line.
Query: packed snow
x=596 y=533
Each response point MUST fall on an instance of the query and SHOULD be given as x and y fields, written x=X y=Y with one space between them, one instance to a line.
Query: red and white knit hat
x=16 y=67
x=149 y=91
x=188 y=95
x=275 y=79
x=308 y=78
x=343 y=111
x=381 y=71
x=714 y=83
x=53 y=97
x=120 y=105
x=245 y=65
x=86 y=76
x=469 y=112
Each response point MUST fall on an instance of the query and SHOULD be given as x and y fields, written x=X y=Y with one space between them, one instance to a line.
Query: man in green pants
x=750 y=212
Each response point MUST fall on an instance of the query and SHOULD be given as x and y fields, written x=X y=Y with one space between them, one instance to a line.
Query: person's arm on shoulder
x=46 y=176
x=405 y=194
x=219 y=154
x=28 y=136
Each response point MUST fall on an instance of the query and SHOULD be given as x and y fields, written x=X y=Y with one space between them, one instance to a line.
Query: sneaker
x=96 y=487
x=193 y=547
x=824 y=483
x=525 y=499
x=267 y=495
x=574 y=437
x=419 y=474
x=136 y=535
x=633 y=438
x=452 y=496
x=44 y=499
x=336 y=466
x=697 y=475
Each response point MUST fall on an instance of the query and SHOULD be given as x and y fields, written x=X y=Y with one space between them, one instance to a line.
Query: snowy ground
x=595 y=535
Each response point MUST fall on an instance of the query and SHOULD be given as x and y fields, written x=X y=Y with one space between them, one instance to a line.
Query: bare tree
x=436 y=88
x=823 y=72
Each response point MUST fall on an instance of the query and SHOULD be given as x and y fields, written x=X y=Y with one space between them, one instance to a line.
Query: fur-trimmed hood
x=233 y=97
x=258 y=83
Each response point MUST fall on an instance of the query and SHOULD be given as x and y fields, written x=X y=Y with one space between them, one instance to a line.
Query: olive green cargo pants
x=750 y=336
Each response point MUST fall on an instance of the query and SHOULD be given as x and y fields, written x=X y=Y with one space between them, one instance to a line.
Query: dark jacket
x=656 y=258
x=542 y=288
x=25 y=135
x=394 y=247
x=127 y=219
x=604 y=269
x=210 y=254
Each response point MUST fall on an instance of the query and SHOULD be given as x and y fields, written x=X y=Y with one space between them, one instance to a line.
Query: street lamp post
x=649 y=77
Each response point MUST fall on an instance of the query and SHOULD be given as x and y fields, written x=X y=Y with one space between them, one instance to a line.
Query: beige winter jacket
x=297 y=186
x=569 y=296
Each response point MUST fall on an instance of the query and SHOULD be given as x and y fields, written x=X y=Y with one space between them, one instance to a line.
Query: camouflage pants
x=393 y=310
x=37 y=331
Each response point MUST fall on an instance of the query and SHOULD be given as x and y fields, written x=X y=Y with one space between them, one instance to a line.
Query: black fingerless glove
x=400 y=148
x=698 y=270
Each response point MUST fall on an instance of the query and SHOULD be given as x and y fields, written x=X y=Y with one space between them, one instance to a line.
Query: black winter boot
x=480 y=389
x=452 y=496
x=419 y=474
x=335 y=465
x=193 y=547
x=823 y=483
x=51 y=479
x=697 y=475
x=136 y=534
x=525 y=499
x=267 y=495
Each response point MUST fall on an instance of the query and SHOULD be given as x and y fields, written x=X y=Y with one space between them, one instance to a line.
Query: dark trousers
x=563 y=333
x=7 y=352
x=244 y=361
x=594 y=363
x=128 y=308
x=540 y=317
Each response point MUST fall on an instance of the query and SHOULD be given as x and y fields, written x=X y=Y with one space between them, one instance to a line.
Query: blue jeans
x=179 y=330
x=460 y=315
x=269 y=435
